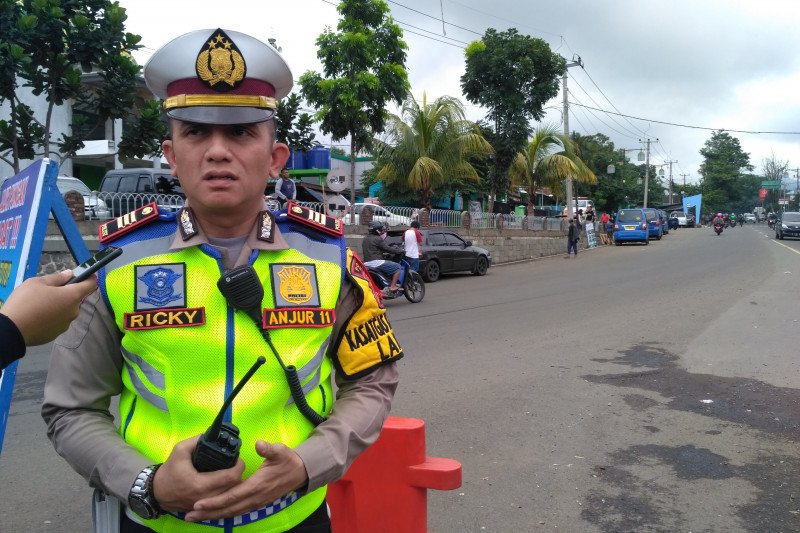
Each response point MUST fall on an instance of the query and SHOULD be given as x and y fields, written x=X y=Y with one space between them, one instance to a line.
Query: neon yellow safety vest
x=184 y=349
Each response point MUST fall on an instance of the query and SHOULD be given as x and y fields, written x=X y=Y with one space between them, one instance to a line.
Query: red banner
x=762 y=193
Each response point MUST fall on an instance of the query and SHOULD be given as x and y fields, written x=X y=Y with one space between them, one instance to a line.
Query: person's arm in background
x=38 y=311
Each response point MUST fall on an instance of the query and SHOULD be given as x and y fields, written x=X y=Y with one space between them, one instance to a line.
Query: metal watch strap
x=141 y=498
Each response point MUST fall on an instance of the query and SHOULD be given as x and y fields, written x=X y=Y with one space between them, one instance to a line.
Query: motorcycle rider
x=372 y=249
x=718 y=219
x=733 y=220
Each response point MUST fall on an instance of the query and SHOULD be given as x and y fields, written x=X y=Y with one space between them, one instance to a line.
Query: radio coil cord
x=242 y=290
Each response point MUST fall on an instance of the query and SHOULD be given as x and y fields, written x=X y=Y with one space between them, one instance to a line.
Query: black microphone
x=218 y=448
x=242 y=289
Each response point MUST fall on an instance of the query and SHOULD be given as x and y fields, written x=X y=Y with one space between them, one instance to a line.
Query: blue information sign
x=26 y=201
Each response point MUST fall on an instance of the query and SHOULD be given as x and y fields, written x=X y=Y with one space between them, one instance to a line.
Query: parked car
x=787 y=224
x=654 y=229
x=93 y=208
x=685 y=220
x=672 y=221
x=630 y=226
x=379 y=213
x=662 y=215
x=749 y=218
x=444 y=251
x=126 y=189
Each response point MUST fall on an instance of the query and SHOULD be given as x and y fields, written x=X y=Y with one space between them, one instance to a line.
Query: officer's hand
x=281 y=472
x=177 y=485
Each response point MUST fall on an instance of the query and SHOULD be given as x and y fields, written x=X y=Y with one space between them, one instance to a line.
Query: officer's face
x=223 y=169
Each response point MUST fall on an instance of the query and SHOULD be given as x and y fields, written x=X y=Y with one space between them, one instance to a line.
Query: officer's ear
x=280 y=155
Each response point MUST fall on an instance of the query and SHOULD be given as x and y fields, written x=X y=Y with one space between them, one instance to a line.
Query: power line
x=641 y=132
x=691 y=126
x=601 y=120
x=632 y=135
x=433 y=17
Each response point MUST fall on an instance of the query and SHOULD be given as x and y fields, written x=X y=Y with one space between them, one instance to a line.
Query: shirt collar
x=198 y=237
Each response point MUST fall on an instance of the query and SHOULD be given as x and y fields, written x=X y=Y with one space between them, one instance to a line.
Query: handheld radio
x=218 y=447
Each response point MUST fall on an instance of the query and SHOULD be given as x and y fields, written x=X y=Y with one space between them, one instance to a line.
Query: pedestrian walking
x=573 y=234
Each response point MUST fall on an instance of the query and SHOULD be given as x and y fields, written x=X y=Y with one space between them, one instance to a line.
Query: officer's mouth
x=219 y=177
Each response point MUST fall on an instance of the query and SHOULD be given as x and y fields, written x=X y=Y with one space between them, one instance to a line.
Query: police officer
x=163 y=336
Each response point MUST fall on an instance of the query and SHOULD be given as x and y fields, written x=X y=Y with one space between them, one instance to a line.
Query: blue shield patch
x=160 y=286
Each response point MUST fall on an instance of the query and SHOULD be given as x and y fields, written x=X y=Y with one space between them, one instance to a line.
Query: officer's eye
x=193 y=129
x=237 y=130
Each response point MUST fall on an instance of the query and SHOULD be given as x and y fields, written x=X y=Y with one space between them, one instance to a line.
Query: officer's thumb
x=268 y=451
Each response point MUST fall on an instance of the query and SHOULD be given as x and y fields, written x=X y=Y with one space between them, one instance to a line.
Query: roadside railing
x=120 y=203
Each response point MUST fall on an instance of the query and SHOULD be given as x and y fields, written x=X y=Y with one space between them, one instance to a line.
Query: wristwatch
x=141 y=498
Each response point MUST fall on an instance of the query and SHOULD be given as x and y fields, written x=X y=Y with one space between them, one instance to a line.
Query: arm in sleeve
x=355 y=423
x=84 y=375
x=13 y=345
x=362 y=404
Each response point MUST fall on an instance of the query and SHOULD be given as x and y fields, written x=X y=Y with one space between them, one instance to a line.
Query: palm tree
x=427 y=147
x=547 y=161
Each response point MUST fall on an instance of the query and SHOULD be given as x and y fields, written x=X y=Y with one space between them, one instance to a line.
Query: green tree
x=293 y=127
x=774 y=170
x=364 y=68
x=514 y=76
x=546 y=161
x=427 y=147
x=45 y=46
x=722 y=171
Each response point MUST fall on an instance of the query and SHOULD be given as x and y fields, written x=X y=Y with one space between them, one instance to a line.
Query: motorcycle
x=718 y=228
x=411 y=284
x=771 y=223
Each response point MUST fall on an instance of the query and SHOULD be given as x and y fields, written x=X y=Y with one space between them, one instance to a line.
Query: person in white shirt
x=412 y=238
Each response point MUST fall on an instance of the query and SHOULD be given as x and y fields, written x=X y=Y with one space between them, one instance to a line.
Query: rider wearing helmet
x=372 y=249
x=718 y=219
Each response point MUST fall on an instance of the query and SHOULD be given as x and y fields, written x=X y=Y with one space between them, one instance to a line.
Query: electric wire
x=631 y=134
x=641 y=131
x=596 y=129
x=690 y=126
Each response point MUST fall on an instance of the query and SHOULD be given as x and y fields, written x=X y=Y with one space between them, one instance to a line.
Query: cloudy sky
x=700 y=65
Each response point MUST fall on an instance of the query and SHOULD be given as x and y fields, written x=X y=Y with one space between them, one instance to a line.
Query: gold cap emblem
x=220 y=64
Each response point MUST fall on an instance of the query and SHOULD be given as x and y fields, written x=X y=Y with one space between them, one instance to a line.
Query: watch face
x=141 y=507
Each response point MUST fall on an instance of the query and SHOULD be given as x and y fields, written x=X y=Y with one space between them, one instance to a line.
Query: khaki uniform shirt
x=85 y=374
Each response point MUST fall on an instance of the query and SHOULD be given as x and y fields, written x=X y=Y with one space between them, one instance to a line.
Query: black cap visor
x=221 y=114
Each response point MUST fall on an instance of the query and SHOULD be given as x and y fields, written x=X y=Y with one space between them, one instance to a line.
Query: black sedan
x=787 y=225
x=444 y=251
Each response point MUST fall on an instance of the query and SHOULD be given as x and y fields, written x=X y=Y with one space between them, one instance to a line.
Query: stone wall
x=506 y=245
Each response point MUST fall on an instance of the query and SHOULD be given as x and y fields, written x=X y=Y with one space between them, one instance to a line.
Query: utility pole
x=574 y=63
x=670 y=179
x=646 y=169
x=684 y=179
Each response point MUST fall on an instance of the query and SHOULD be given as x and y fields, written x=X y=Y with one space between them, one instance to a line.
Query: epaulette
x=309 y=217
x=116 y=227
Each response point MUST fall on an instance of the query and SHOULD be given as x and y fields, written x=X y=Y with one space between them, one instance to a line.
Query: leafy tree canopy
x=723 y=169
x=293 y=127
x=363 y=69
x=514 y=76
x=427 y=149
x=46 y=45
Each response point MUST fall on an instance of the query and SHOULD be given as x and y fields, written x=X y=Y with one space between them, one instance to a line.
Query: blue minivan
x=630 y=225
x=654 y=230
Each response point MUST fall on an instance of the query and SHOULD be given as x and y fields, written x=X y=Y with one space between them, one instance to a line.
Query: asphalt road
x=631 y=389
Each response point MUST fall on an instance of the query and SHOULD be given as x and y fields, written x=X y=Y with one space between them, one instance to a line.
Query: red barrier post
x=386 y=488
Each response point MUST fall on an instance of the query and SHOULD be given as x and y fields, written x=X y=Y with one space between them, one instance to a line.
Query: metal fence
x=121 y=203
